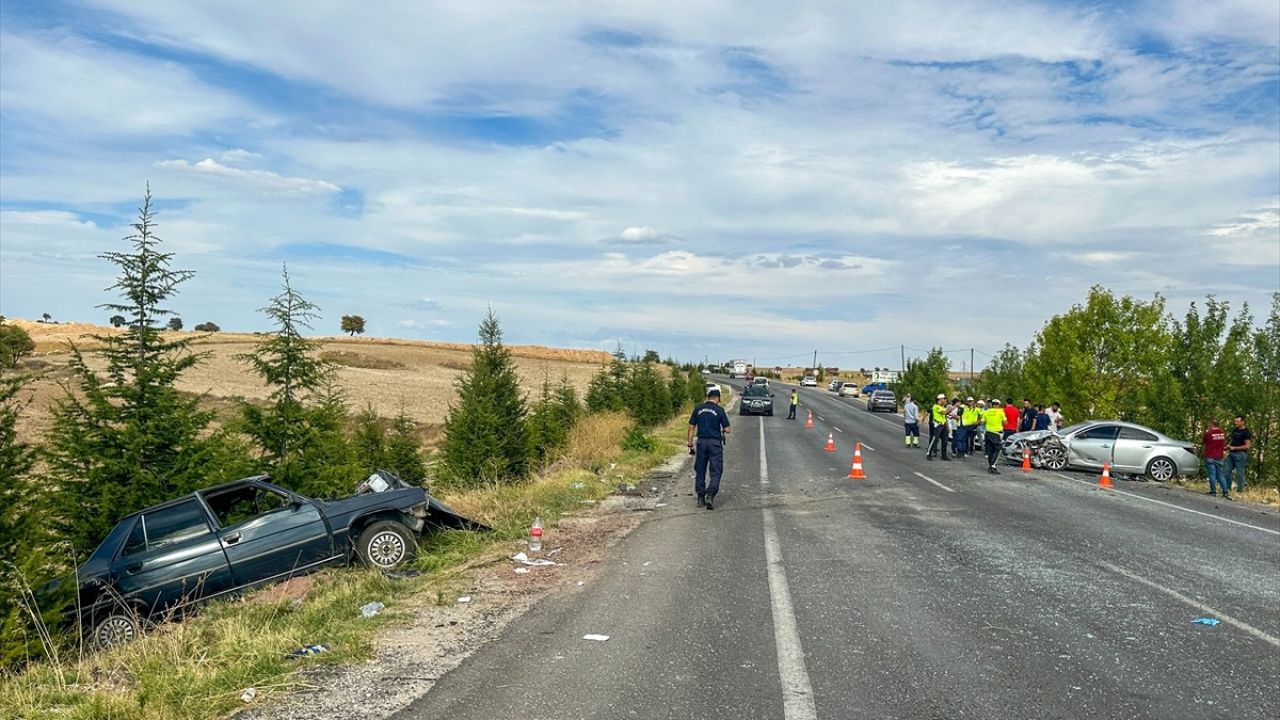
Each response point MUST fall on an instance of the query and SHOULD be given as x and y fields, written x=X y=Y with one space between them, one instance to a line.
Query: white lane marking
x=935 y=482
x=797 y=693
x=836 y=429
x=1175 y=507
x=820 y=418
x=867 y=446
x=1195 y=604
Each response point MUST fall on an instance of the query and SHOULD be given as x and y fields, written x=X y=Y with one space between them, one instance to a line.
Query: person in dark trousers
x=1238 y=452
x=710 y=423
x=938 y=428
x=1028 y=421
x=795 y=403
x=1215 y=442
x=993 y=420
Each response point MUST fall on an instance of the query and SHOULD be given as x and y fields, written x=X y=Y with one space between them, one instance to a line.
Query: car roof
x=183 y=498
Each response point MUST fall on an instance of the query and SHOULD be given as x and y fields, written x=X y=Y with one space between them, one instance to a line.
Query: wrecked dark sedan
x=231 y=537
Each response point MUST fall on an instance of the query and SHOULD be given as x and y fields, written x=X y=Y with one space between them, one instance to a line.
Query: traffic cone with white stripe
x=1105 y=480
x=1026 y=459
x=809 y=423
x=831 y=443
x=855 y=472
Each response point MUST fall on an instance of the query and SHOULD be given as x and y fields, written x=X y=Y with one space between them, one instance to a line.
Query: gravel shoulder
x=433 y=634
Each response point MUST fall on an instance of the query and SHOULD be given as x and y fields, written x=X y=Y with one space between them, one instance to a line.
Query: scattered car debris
x=522 y=571
x=523 y=559
x=248 y=695
x=304 y=651
x=660 y=505
x=372 y=609
x=553 y=552
x=578 y=486
x=402 y=574
x=598 y=638
x=464 y=599
x=1206 y=621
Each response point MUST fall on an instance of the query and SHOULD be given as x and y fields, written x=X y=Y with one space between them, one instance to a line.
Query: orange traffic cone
x=1105 y=480
x=831 y=443
x=1026 y=459
x=855 y=472
x=809 y=423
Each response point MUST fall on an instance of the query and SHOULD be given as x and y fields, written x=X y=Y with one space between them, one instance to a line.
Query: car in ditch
x=164 y=559
x=756 y=400
x=1128 y=448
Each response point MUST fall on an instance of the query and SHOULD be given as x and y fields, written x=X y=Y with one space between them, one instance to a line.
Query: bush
x=14 y=344
x=636 y=441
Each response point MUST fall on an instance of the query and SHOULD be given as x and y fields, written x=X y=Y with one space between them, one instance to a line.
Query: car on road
x=756 y=400
x=849 y=390
x=809 y=381
x=1129 y=448
x=872 y=387
x=835 y=385
x=708 y=387
x=882 y=401
x=225 y=539
x=761 y=381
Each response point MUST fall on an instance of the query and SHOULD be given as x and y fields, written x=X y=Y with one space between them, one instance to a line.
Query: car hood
x=1029 y=436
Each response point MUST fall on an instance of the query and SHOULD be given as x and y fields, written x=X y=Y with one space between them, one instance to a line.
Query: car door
x=266 y=533
x=1133 y=447
x=171 y=557
x=1093 y=446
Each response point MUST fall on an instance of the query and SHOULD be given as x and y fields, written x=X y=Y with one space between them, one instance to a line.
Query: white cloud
x=254 y=180
x=238 y=155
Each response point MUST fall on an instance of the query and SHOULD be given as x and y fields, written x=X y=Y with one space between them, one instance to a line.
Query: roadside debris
x=464 y=599
x=553 y=552
x=402 y=574
x=1206 y=621
x=523 y=559
x=248 y=695
x=522 y=570
x=304 y=651
x=578 y=486
x=598 y=638
x=660 y=505
x=535 y=535
x=372 y=609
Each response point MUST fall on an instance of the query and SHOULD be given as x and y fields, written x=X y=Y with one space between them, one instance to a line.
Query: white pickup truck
x=738 y=370
x=809 y=381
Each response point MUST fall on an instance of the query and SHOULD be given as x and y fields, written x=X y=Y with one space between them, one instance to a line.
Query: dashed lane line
x=935 y=482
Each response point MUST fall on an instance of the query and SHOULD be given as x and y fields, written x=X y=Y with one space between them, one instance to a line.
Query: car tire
x=1161 y=469
x=119 y=626
x=386 y=544
x=1055 y=458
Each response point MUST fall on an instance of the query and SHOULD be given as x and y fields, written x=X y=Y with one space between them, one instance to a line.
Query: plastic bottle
x=535 y=535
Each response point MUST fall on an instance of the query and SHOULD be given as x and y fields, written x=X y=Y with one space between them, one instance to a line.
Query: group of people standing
x=1223 y=460
x=966 y=424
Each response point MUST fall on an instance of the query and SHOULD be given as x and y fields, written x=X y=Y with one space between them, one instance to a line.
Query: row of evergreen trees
x=124 y=437
x=1125 y=358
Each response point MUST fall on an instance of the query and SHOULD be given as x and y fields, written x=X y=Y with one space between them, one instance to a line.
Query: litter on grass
x=464 y=599
x=523 y=559
x=304 y=651
x=522 y=570
x=598 y=638
x=248 y=695
x=372 y=609
x=402 y=574
x=553 y=552
x=1206 y=621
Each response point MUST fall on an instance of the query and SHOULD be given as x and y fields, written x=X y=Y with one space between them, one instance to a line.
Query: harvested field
x=388 y=375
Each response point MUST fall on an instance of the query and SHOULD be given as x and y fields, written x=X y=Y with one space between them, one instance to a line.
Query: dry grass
x=593 y=443
x=1252 y=493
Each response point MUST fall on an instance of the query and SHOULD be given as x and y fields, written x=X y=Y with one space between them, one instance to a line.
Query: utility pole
x=815 y=361
x=970 y=364
x=903 y=350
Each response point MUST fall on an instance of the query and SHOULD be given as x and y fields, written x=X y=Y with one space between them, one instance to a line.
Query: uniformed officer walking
x=710 y=423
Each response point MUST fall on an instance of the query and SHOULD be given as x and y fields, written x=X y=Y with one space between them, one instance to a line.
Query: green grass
x=198 y=668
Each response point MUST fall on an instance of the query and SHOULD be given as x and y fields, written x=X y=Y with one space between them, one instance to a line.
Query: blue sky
x=700 y=178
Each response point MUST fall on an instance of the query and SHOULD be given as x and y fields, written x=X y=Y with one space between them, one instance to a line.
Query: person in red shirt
x=1215 y=444
x=1011 y=417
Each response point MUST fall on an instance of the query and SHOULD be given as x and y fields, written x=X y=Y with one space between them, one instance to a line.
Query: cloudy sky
x=722 y=179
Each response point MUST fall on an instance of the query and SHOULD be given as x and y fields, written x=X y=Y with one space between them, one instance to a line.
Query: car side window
x=1128 y=433
x=167 y=526
x=1102 y=432
x=239 y=504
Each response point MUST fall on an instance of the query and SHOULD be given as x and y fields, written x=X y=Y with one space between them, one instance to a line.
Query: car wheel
x=120 y=627
x=1055 y=458
x=1161 y=469
x=386 y=545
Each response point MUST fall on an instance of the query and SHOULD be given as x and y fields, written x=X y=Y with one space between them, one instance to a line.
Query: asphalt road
x=928 y=590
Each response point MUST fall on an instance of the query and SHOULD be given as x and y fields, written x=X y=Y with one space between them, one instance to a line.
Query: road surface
x=928 y=590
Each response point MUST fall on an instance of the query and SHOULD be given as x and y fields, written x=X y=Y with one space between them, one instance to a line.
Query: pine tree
x=301 y=436
x=127 y=438
x=403 y=455
x=486 y=436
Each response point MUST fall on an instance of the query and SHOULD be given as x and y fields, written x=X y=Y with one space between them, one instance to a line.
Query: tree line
x=124 y=437
x=1124 y=358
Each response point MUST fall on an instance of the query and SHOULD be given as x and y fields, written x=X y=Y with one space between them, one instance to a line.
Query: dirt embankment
x=388 y=375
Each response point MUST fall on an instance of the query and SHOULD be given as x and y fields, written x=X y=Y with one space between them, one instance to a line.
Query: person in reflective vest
x=938 y=428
